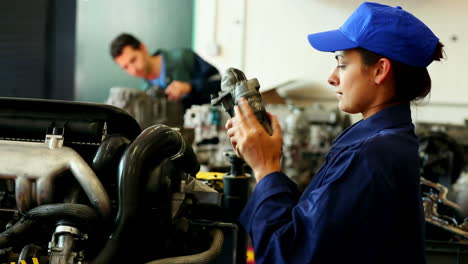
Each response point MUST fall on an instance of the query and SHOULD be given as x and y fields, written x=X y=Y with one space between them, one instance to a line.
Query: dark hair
x=121 y=41
x=411 y=83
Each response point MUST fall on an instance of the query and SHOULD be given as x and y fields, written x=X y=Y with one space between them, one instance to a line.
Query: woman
x=364 y=204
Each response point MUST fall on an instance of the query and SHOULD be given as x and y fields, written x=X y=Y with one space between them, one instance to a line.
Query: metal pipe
x=206 y=257
x=235 y=231
x=23 y=162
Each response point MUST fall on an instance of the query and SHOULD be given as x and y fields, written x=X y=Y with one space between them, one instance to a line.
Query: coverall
x=363 y=205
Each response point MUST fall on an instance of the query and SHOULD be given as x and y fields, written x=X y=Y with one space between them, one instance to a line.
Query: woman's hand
x=252 y=143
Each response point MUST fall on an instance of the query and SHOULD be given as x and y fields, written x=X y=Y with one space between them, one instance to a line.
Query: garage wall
x=268 y=40
x=37 y=55
x=158 y=23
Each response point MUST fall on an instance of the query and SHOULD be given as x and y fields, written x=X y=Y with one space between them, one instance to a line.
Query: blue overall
x=362 y=206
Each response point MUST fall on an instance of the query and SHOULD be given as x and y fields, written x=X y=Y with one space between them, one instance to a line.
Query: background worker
x=183 y=75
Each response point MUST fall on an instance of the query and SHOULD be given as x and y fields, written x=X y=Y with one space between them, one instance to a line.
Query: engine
x=82 y=183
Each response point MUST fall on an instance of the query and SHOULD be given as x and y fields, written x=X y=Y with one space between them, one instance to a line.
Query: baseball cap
x=389 y=31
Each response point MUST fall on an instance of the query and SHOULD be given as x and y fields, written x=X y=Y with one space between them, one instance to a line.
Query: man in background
x=181 y=73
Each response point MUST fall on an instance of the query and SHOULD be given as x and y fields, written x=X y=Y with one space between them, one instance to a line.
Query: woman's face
x=354 y=82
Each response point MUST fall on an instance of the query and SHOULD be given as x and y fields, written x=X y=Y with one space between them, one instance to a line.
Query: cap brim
x=332 y=40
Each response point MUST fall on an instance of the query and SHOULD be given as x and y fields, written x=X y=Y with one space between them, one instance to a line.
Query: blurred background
x=59 y=49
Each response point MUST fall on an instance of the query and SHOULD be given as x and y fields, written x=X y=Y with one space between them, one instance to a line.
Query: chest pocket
x=337 y=163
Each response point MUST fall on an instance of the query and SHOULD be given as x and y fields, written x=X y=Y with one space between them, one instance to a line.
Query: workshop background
x=62 y=47
x=267 y=38
x=55 y=49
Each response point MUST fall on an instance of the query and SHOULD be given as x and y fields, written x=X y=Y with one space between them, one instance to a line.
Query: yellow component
x=250 y=256
x=209 y=176
x=23 y=262
x=212 y=179
x=35 y=261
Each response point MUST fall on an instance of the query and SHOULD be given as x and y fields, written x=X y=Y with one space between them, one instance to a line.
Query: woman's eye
x=341 y=66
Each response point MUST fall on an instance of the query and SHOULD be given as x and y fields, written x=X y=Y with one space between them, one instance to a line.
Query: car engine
x=82 y=183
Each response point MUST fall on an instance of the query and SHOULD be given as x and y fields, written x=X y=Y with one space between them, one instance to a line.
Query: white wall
x=268 y=40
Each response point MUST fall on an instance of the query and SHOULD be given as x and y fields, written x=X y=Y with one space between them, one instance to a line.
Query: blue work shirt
x=363 y=205
x=187 y=66
x=161 y=80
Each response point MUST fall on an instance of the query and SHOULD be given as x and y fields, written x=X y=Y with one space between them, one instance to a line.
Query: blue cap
x=389 y=31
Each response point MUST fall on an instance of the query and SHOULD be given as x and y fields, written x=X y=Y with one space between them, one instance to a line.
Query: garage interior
x=96 y=170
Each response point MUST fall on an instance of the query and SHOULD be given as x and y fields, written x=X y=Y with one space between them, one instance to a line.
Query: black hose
x=154 y=145
x=78 y=213
x=109 y=152
x=19 y=228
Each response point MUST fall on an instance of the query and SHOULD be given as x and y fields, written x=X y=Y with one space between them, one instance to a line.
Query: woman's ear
x=382 y=70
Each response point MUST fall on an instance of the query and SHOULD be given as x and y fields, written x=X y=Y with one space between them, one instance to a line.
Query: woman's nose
x=333 y=79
